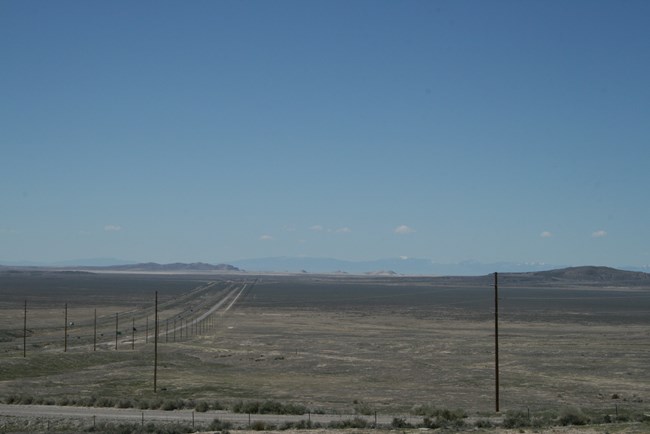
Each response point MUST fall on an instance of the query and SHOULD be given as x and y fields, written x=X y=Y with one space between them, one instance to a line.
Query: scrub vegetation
x=418 y=352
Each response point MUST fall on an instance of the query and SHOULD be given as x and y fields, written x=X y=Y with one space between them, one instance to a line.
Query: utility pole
x=25 y=332
x=155 y=348
x=496 y=341
x=95 y=333
x=65 y=330
x=133 y=333
x=116 y=326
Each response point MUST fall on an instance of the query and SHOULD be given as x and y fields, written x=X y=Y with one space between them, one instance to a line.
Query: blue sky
x=221 y=130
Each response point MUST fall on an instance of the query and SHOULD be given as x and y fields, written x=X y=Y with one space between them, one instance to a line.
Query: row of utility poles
x=190 y=327
x=65 y=331
x=156 y=334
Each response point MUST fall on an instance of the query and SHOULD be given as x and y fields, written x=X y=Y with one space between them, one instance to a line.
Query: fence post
x=155 y=351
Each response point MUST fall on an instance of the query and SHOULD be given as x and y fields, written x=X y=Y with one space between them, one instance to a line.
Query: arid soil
x=345 y=345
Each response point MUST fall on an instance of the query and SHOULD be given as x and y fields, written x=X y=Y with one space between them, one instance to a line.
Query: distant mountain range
x=408 y=266
x=390 y=266
x=400 y=265
x=584 y=276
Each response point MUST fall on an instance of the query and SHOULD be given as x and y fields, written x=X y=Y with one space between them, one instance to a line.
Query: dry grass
x=386 y=353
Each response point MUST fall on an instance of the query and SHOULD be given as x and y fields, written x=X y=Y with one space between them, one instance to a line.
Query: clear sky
x=221 y=130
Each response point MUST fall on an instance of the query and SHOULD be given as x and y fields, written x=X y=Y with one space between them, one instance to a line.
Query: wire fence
x=46 y=417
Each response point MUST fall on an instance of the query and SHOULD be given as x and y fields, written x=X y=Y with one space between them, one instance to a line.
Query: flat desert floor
x=331 y=343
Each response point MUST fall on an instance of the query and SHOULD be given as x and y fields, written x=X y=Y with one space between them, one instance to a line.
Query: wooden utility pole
x=25 y=331
x=496 y=341
x=116 y=328
x=65 y=330
x=155 y=348
x=95 y=333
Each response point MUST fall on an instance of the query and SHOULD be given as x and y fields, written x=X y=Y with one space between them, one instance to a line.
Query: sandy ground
x=337 y=350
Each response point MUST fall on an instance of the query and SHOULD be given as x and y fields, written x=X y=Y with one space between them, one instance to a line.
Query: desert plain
x=332 y=343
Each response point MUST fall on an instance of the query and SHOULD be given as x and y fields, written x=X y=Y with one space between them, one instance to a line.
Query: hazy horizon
x=400 y=266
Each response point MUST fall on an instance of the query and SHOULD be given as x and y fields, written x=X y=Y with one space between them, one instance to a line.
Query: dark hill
x=601 y=276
